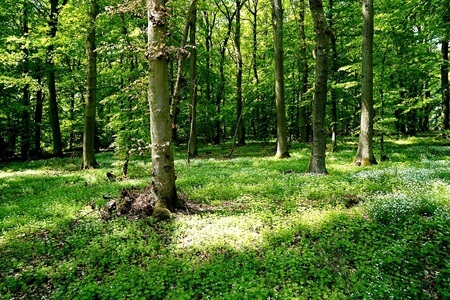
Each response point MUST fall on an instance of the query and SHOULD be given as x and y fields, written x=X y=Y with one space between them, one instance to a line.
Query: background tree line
x=221 y=72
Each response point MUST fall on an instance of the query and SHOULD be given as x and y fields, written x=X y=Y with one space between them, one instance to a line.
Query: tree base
x=282 y=155
x=365 y=162
x=160 y=212
x=139 y=204
x=90 y=166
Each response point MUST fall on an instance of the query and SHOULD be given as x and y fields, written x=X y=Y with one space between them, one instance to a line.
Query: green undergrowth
x=258 y=228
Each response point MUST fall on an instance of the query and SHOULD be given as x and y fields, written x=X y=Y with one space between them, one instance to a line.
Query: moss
x=160 y=212
x=364 y=162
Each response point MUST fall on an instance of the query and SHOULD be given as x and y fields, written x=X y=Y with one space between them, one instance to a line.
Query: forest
x=224 y=149
x=222 y=64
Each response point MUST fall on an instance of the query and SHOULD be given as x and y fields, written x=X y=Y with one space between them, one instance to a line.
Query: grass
x=264 y=229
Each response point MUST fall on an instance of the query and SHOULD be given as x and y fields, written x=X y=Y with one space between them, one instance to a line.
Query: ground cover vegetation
x=256 y=227
x=95 y=95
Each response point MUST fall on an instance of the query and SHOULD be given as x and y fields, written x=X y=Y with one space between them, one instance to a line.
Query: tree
x=51 y=80
x=229 y=15
x=89 y=160
x=25 y=130
x=163 y=172
x=304 y=75
x=364 y=155
x=317 y=161
x=277 y=18
x=192 y=148
x=239 y=65
x=334 y=75
x=174 y=110
x=445 y=87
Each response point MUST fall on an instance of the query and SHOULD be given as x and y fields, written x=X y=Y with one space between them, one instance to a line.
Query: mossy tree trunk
x=163 y=172
x=277 y=20
x=89 y=160
x=364 y=154
x=317 y=161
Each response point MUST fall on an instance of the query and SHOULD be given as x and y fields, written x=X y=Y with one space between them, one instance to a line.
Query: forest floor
x=262 y=228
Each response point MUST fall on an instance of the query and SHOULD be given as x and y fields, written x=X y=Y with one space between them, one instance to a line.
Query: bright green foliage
x=261 y=228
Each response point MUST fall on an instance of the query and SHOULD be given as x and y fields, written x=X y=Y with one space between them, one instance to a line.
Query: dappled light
x=254 y=227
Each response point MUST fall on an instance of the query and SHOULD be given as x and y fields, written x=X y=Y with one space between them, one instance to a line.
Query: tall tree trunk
x=163 y=172
x=51 y=80
x=239 y=102
x=334 y=76
x=277 y=18
x=317 y=162
x=175 y=100
x=252 y=7
x=38 y=116
x=223 y=48
x=72 y=120
x=192 y=149
x=445 y=86
x=91 y=90
x=25 y=128
x=364 y=155
x=209 y=26
x=304 y=72
x=254 y=13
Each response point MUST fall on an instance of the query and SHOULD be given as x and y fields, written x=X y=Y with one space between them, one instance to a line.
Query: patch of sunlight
x=237 y=232
x=299 y=155
x=441 y=190
x=133 y=182
x=242 y=232
x=316 y=217
x=310 y=218
x=343 y=167
x=7 y=174
x=405 y=142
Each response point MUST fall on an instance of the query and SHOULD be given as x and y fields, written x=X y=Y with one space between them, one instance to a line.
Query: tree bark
x=51 y=81
x=89 y=160
x=277 y=19
x=192 y=148
x=334 y=76
x=38 y=116
x=445 y=87
x=163 y=173
x=317 y=161
x=364 y=155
